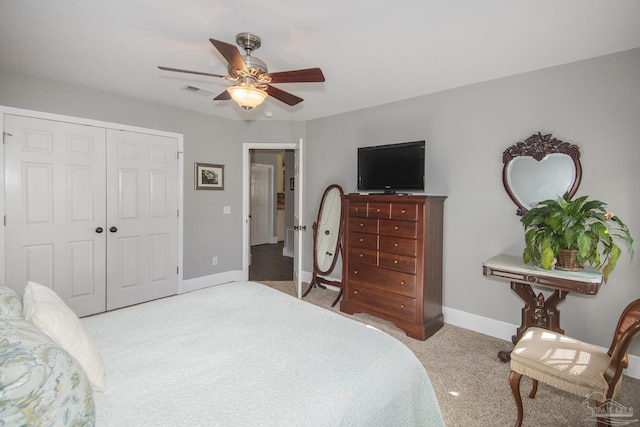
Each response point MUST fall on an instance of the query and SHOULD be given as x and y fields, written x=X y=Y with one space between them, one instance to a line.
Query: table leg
x=537 y=311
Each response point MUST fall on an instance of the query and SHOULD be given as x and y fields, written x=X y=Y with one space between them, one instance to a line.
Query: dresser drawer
x=398 y=228
x=397 y=262
x=379 y=210
x=363 y=240
x=405 y=211
x=380 y=278
x=363 y=225
x=398 y=245
x=364 y=256
x=357 y=209
x=380 y=301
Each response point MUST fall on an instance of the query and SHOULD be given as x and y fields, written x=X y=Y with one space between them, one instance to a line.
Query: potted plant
x=582 y=227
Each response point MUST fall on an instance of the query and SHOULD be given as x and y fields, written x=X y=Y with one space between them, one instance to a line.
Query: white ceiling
x=371 y=52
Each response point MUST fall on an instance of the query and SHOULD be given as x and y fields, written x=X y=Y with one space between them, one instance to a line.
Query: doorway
x=294 y=185
x=268 y=215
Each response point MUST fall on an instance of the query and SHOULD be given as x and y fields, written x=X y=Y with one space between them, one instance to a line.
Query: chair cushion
x=562 y=362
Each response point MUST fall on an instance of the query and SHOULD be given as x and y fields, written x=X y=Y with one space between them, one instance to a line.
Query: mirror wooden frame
x=539 y=146
x=316 y=279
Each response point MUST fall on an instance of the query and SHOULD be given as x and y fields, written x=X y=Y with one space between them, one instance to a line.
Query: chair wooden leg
x=514 y=382
x=603 y=419
x=534 y=389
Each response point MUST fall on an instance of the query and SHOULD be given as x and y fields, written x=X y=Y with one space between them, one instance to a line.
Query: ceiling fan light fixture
x=247 y=97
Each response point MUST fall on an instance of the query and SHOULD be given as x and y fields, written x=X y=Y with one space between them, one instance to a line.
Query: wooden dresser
x=392 y=265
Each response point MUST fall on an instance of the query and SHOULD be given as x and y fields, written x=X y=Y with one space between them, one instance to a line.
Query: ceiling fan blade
x=178 y=70
x=223 y=96
x=298 y=76
x=231 y=54
x=283 y=96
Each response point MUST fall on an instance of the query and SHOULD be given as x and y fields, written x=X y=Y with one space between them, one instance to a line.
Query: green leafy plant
x=580 y=224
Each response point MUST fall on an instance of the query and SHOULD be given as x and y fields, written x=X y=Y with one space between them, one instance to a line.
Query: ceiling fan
x=253 y=80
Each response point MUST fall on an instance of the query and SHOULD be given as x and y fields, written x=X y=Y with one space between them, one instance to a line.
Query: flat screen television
x=392 y=168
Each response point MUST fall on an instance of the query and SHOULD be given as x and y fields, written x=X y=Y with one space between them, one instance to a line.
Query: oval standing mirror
x=327 y=242
x=540 y=168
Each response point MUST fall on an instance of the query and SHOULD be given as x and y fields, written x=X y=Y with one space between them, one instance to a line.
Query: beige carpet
x=471 y=384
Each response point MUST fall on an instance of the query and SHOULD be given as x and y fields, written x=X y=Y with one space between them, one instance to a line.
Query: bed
x=245 y=354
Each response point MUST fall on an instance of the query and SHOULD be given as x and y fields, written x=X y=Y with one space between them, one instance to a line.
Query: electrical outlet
x=214 y=260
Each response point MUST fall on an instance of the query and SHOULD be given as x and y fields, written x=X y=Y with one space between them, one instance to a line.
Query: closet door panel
x=142 y=206
x=55 y=200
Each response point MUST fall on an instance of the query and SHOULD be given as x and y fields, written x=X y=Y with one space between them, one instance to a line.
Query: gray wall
x=207 y=139
x=592 y=103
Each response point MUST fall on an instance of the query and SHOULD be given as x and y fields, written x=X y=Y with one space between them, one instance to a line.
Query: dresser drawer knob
x=361 y=224
x=378 y=210
x=403 y=211
x=401 y=305
x=361 y=239
x=396 y=227
x=402 y=282
x=355 y=271
x=357 y=209
x=396 y=244
x=395 y=261
x=361 y=255
x=355 y=292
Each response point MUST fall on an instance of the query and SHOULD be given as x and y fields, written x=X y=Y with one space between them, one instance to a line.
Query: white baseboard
x=504 y=330
x=206 y=281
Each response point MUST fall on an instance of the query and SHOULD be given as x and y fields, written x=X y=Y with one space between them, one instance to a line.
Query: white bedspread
x=243 y=354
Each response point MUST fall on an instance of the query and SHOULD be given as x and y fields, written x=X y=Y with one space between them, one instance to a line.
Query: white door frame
x=98 y=123
x=246 y=182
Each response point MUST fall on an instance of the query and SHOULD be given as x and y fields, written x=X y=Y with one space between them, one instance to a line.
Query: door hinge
x=178 y=270
x=4 y=137
x=178 y=155
x=178 y=213
x=5 y=220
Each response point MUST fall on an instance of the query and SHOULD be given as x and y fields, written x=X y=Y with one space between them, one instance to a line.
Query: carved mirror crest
x=540 y=168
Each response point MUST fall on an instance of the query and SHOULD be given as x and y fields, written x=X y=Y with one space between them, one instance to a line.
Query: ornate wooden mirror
x=327 y=239
x=540 y=168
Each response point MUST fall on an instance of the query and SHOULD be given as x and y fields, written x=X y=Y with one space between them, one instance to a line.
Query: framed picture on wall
x=209 y=177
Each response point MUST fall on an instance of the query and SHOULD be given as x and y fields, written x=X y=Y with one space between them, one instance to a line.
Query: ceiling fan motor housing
x=256 y=66
x=248 y=41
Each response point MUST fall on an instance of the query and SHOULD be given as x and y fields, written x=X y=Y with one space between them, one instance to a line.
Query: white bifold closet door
x=90 y=212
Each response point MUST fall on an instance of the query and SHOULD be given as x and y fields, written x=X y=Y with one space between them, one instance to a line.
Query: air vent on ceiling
x=197 y=90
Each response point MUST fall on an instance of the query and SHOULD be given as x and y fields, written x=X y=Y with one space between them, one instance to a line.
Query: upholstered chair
x=573 y=366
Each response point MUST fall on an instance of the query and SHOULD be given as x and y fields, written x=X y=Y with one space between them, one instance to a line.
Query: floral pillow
x=40 y=383
x=10 y=304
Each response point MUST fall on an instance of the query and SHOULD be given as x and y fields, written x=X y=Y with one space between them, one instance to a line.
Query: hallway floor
x=268 y=263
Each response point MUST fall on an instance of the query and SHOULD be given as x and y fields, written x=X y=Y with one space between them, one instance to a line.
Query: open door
x=298 y=227
x=298 y=207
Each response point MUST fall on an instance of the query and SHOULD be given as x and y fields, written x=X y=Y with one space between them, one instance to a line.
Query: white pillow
x=44 y=308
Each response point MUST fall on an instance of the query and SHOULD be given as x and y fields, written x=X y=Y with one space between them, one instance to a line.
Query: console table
x=538 y=310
